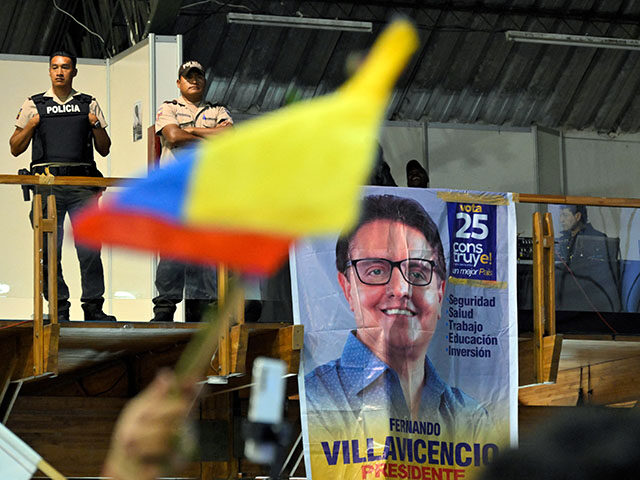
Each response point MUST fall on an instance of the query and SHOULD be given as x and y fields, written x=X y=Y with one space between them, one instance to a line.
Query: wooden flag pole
x=49 y=471
x=197 y=355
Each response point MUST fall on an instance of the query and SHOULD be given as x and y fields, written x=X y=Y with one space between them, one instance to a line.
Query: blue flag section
x=472 y=229
x=410 y=355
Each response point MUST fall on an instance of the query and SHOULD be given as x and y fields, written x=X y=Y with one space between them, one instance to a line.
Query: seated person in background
x=381 y=174
x=587 y=271
x=574 y=223
x=417 y=176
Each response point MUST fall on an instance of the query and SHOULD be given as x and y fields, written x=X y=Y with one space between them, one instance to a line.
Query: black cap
x=190 y=65
x=415 y=165
x=417 y=175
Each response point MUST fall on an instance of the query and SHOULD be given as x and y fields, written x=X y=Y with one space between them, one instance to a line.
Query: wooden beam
x=577 y=200
x=551 y=349
x=609 y=383
x=517 y=197
x=52 y=180
x=549 y=276
x=38 y=275
x=50 y=471
x=538 y=297
x=289 y=345
x=239 y=344
x=51 y=346
x=26 y=353
x=50 y=229
x=223 y=357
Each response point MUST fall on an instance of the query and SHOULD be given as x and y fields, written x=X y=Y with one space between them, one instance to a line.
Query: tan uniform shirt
x=29 y=109
x=183 y=113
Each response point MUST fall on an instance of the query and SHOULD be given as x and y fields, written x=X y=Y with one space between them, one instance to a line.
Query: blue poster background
x=472 y=229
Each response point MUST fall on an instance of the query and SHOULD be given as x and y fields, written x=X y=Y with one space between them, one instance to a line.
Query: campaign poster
x=410 y=353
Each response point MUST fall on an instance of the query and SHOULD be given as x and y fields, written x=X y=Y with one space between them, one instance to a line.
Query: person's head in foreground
x=584 y=444
x=391 y=268
x=573 y=218
x=417 y=176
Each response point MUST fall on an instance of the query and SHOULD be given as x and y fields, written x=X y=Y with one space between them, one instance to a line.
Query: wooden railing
x=53 y=180
x=45 y=337
x=544 y=346
x=539 y=357
x=577 y=200
x=233 y=339
x=544 y=299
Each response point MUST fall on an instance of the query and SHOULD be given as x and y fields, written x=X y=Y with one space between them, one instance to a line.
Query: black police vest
x=64 y=133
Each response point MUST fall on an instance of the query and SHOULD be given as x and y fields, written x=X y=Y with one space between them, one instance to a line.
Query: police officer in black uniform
x=63 y=126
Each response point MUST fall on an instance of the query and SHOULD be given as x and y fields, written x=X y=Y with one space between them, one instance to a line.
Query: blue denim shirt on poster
x=347 y=393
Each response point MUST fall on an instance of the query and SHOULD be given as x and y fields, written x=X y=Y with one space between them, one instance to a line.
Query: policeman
x=179 y=122
x=63 y=126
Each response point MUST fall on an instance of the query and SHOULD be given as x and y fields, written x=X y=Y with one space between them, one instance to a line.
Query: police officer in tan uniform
x=63 y=126
x=179 y=122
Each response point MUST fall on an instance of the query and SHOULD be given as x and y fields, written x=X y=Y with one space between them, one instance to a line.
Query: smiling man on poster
x=392 y=271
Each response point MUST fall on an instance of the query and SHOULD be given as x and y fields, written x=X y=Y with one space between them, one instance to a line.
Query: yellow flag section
x=292 y=172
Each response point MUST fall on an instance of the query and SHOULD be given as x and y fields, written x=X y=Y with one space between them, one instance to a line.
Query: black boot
x=93 y=312
x=162 y=316
x=252 y=311
x=195 y=308
x=63 y=310
x=63 y=315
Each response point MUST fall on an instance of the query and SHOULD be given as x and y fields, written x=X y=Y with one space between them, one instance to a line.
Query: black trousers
x=175 y=280
x=69 y=200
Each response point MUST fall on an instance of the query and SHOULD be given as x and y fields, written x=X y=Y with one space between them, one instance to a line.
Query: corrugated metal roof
x=464 y=72
x=40 y=27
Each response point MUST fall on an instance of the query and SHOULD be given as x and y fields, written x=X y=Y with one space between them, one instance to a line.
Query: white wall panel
x=402 y=142
x=606 y=167
x=132 y=81
x=478 y=158
x=168 y=58
x=601 y=166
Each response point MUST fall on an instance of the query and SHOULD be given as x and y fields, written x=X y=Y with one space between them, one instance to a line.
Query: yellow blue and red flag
x=242 y=197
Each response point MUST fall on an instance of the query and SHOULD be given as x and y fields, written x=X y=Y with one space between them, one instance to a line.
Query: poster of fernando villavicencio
x=410 y=355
